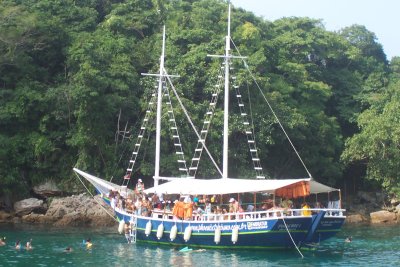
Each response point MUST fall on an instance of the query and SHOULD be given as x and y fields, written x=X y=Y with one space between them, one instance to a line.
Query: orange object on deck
x=188 y=210
x=299 y=189
x=179 y=210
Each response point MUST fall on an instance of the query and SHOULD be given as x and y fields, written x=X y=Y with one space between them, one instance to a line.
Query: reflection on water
x=375 y=246
x=217 y=258
x=234 y=260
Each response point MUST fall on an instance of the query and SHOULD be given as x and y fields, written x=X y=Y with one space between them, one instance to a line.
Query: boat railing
x=254 y=215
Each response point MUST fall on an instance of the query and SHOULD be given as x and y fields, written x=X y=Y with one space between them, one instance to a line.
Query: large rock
x=398 y=209
x=394 y=201
x=38 y=218
x=355 y=218
x=383 y=216
x=5 y=216
x=73 y=219
x=29 y=205
x=48 y=189
x=80 y=210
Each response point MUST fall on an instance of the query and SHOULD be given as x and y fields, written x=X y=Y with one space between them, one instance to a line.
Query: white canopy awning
x=229 y=186
x=187 y=186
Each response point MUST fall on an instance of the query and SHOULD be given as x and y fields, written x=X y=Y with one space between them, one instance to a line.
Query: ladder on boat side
x=133 y=230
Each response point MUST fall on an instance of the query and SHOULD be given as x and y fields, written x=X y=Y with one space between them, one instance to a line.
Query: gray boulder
x=29 y=205
x=47 y=189
x=80 y=210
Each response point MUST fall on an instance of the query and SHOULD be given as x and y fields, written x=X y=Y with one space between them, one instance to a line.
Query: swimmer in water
x=88 y=244
x=2 y=241
x=68 y=249
x=18 y=245
x=29 y=245
x=348 y=239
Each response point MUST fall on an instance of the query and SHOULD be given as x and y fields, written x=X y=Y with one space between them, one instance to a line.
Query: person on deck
x=233 y=205
x=188 y=208
x=140 y=187
x=146 y=207
x=207 y=208
x=287 y=203
x=306 y=210
x=178 y=210
x=138 y=206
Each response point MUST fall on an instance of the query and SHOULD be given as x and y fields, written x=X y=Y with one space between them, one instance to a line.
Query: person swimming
x=2 y=241
x=68 y=249
x=348 y=239
x=29 y=244
x=18 y=245
x=88 y=244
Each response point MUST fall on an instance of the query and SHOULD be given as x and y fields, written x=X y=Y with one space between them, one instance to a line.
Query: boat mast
x=158 y=121
x=226 y=98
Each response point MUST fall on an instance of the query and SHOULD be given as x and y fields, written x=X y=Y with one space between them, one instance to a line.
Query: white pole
x=158 y=122
x=226 y=100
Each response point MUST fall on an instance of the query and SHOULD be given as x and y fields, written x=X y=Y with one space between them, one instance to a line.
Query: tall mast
x=226 y=99
x=158 y=122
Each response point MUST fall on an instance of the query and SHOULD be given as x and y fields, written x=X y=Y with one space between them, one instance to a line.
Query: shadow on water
x=377 y=246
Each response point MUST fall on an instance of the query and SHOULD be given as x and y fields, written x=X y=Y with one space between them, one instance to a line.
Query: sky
x=380 y=17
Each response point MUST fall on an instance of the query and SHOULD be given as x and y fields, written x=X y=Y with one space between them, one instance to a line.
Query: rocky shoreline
x=77 y=210
x=50 y=208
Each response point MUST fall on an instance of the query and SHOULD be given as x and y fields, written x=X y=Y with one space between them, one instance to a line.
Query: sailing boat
x=262 y=226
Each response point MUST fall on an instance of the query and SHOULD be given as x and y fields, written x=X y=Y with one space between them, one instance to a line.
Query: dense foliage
x=70 y=80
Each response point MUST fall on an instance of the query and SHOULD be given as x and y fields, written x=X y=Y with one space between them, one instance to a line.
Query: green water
x=375 y=246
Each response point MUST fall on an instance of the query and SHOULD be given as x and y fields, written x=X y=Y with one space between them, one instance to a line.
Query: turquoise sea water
x=374 y=246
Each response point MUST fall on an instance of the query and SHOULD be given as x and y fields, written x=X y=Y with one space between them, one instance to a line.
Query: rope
x=287 y=229
x=112 y=216
x=273 y=112
x=191 y=123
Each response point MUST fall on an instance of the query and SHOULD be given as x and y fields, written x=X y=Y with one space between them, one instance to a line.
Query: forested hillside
x=70 y=82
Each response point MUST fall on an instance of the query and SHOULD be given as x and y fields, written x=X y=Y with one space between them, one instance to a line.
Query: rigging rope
x=287 y=229
x=191 y=123
x=272 y=110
